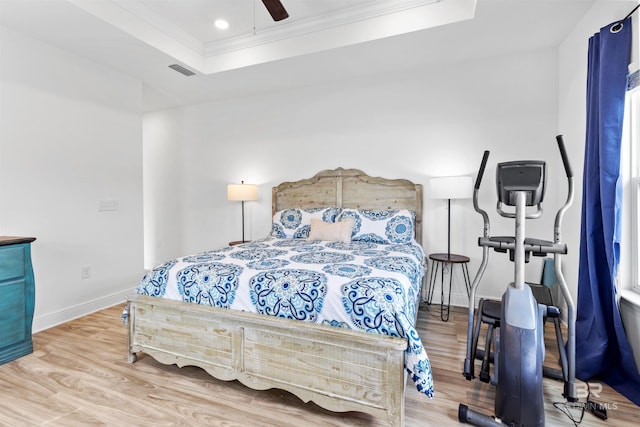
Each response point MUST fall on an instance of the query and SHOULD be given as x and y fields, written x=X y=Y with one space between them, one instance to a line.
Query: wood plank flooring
x=78 y=375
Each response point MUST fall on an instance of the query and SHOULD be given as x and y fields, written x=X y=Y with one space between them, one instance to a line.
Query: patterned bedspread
x=359 y=285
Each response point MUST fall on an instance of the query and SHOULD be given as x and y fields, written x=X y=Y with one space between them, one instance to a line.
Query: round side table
x=446 y=261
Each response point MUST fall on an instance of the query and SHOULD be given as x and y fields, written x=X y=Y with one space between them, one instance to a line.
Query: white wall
x=70 y=135
x=415 y=125
x=163 y=199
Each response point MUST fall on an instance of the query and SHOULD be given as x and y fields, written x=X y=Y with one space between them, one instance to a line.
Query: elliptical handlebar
x=569 y=173
x=476 y=188
x=483 y=165
x=570 y=392
x=468 y=362
x=565 y=158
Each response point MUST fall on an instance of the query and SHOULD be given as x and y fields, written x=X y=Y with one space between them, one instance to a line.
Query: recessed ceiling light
x=221 y=24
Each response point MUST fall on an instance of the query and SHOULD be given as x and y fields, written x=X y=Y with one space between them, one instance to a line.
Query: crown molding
x=143 y=12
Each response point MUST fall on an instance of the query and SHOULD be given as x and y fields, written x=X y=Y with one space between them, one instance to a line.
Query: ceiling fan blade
x=276 y=9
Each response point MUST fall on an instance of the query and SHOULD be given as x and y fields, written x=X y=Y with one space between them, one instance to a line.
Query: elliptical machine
x=519 y=341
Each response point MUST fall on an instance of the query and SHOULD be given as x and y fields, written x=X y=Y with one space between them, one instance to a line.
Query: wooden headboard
x=350 y=188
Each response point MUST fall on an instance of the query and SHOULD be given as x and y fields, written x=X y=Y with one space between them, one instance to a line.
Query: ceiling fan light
x=276 y=9
x=221 y=24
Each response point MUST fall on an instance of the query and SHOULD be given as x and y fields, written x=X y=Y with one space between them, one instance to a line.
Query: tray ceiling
x=184 y=29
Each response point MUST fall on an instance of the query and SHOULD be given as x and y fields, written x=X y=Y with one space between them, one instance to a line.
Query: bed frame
x=338 y=369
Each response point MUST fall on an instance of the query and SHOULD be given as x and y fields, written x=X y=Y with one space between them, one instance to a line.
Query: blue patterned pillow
x=381 y=226
x=296 y=223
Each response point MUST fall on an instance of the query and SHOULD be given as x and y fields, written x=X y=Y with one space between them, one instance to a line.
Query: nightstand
x=446 y=261
x=17 y=297
x=238 y=242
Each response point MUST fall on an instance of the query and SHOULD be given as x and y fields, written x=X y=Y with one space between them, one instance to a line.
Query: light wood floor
x=79 y=375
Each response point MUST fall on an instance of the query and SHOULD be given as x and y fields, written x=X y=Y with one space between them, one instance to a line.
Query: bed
x=348 y=359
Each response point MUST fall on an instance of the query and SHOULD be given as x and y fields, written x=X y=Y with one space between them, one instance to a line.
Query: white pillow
x=335 y=232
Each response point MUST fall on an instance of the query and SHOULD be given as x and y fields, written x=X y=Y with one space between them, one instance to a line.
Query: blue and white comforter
x=360 y=285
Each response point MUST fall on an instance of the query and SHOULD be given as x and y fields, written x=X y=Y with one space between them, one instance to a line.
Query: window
x=630 y=171
x=635 y=185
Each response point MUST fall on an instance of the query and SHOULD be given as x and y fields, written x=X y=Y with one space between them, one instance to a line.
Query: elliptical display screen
x=522 y=175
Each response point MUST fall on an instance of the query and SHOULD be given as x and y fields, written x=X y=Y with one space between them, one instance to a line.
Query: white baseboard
x=47 y=321
x=457 y=300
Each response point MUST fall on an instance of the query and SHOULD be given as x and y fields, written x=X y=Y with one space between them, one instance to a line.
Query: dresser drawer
x=13 y=316
x=12 y=262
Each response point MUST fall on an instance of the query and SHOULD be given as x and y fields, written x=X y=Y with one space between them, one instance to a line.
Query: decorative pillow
x=381 y=226
x=332 y=231
x=295 y=223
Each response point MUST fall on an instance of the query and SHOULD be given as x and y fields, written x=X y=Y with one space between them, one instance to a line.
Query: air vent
x=182 y=70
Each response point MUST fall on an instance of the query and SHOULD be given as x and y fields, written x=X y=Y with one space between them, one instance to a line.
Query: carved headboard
x=350 y=188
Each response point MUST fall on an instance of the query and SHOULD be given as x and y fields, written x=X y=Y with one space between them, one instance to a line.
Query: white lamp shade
x=451 y=187
x=242 y=192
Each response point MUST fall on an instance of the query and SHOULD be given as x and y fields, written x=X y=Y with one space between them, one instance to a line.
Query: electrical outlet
x=108 y=205
x=85 y=271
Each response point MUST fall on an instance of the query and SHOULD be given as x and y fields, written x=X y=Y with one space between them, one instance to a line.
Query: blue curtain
x=602 y=349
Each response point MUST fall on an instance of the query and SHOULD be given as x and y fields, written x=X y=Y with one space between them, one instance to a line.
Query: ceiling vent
x=182 y=70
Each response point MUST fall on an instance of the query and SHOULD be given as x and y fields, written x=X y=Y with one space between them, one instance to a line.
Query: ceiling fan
x=276 y=9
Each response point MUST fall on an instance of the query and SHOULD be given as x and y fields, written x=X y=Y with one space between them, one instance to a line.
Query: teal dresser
x=17 y=297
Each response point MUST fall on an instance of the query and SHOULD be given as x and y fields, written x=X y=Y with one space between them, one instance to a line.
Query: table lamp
x=242 y=192
x=451 y=187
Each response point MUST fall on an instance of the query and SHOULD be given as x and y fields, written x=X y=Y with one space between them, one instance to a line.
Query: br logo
x=583 y=390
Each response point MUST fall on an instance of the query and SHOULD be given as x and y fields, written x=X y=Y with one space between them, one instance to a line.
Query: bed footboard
x=338 y=369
